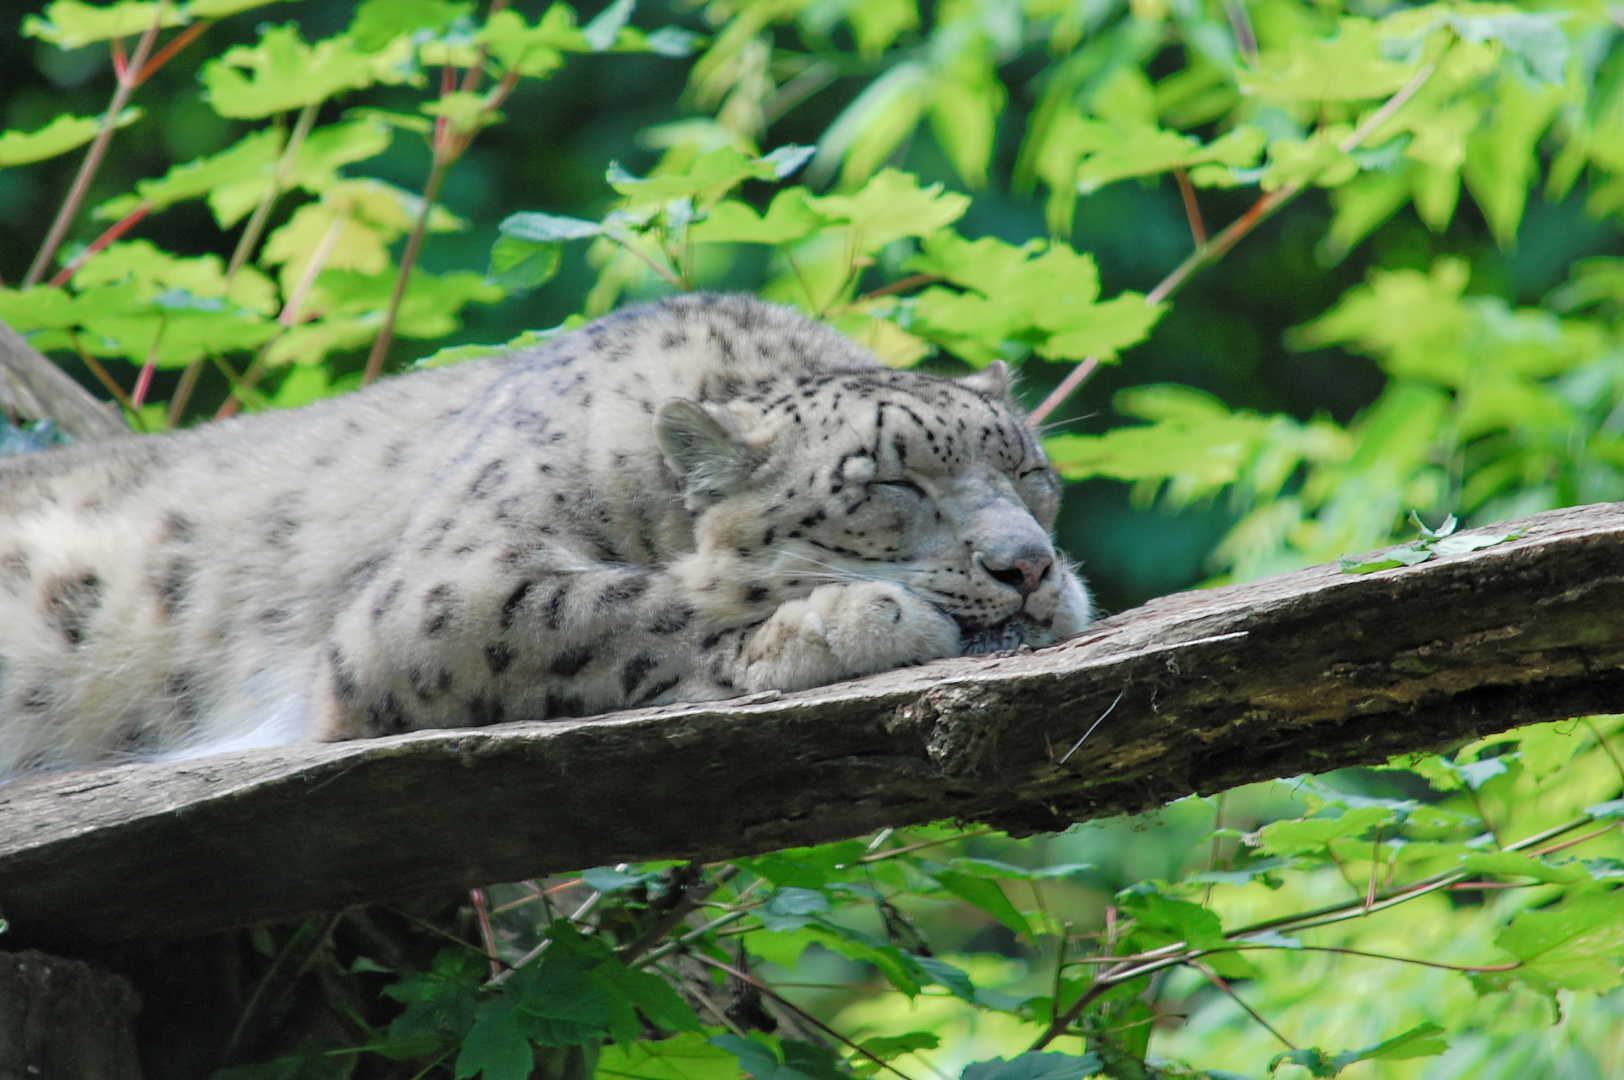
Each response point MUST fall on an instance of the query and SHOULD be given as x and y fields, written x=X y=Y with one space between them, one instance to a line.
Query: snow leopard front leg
x=843 y=631
x=555 y=635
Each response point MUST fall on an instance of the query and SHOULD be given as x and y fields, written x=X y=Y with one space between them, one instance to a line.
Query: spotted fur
x=685 y=501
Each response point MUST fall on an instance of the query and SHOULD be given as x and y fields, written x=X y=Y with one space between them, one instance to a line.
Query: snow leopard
x=689 y=500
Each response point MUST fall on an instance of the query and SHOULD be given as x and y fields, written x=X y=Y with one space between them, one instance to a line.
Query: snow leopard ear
x=991 y=381
x=705 y=448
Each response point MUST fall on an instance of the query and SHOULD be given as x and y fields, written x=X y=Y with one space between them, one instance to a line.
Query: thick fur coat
x=690 y=500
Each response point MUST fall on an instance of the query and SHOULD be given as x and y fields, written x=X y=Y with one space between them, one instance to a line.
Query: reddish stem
x=1074 y=378
x=408 y=258
x=143 y=381
x=121 y=63
x=93 y=156
x=1192 y=209
x=102 y=375
x=118 y=229
x=485 y=933
x=167 y=53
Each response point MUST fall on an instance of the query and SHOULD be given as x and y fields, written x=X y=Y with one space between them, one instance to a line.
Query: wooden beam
x=1201 y=691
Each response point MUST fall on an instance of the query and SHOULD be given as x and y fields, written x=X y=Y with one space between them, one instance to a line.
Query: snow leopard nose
x=1022 y=570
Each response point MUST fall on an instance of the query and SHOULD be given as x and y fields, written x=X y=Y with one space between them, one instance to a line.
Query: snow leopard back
x=517 y=538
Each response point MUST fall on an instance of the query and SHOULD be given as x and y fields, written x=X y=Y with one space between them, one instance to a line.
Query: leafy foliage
x=1449 y=916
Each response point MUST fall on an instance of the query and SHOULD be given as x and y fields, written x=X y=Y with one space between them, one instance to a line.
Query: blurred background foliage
x=1378 y=344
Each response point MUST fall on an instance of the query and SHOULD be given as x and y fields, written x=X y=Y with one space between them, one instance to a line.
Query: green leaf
x=497 y=1045
x=1516 y=864
x=1311 y=835
x=248 y=161
x=942 y=973
x=788 y=218
x=1575 y=944
x=464 y=110
x=1460 y=545
x=1423 y=1040
x=966 y=100
x=985 y=894
x=219 y=9
x=807 y=867
x=441 y=1002
x=70 y=24
x=1410 y=554
x=1115 y=154
x=378 y=22
x=538 y=228
x=689 y=1056
x=428 y=308
x=648 y=994
x=1348 y=67
x=558 y=1001
x=1165 y=920
x=706 y=180
x=790 y=908
x=534 y=51
x=607 y=879
x=64 y=133
x=755 y=1057
x=1501 y=161
x=1420 y=1041
x=1036 y=1066
x=1607 y=810
x=283 y=73
x=891 y=206
x=891 y=1047
x=605 y=27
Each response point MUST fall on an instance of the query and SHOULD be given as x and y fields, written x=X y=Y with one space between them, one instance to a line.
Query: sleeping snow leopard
x=691 y=500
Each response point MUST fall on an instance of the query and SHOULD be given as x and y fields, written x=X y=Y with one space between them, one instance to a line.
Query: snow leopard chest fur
x=685 y=501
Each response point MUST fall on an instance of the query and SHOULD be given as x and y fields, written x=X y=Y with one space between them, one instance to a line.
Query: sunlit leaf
x=1347 y=67
x=282 y=72
x=70 y=24
x=65 y=133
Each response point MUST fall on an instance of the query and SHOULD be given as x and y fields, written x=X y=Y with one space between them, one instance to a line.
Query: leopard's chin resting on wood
x=689 y=500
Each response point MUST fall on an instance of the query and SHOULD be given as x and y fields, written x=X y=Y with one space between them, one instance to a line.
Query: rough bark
x=32 y=386
x=1198 y=692
x=64 y=1019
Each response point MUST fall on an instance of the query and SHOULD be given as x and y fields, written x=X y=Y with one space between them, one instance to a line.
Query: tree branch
x=32 y=386
x=1309 y=671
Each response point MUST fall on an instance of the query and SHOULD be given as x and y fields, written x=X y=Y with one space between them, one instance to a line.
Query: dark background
x=1223 y=334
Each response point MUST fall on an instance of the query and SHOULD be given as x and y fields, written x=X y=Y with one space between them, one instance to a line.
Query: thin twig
x=486 y=934
x=294 y=307
x=101 y=374
x=670 y=947
x=691 y=898
x=116 y=230
x=408 y=259
x=279 y=182
x=98 y=150
x=1232 y=234
x=1606 y=749
x=167 y=53
x=1192 y=209
x=143 y=381
x=746 y=977
x=538 y=894
x=894 y=852
x=580 y=913
x=1213 y=977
